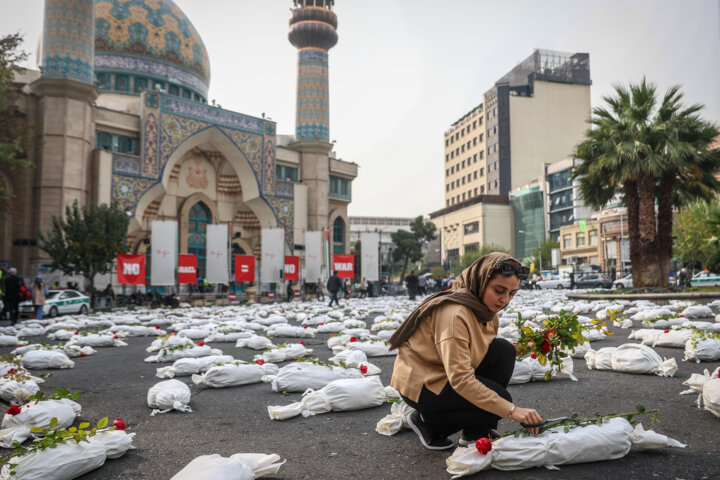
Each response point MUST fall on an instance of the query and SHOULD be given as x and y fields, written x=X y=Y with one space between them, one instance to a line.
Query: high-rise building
x=533 y=116
x=120 y=111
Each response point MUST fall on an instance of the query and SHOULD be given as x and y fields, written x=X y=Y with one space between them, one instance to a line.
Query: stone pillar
x=66 y=94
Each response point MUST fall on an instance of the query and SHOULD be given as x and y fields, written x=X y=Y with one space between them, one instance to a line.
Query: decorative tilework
x=284 y=189
x=150 y=146
x=216 y=116
x=125 y=165
x=109 y=61
x=313 y=103
x=68 y=32
x=127 y=191
x=285 y=212
x=155 y=29
x=269 y=167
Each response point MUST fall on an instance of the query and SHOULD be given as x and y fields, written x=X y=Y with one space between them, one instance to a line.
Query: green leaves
x=101 y=424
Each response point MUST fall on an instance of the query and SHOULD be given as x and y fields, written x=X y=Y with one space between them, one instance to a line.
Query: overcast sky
x=404 y=70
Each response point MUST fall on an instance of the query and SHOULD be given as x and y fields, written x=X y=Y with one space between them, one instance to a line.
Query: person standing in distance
x=451 y=367
x=333 y=285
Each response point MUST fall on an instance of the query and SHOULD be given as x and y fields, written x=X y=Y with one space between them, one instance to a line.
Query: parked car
x=623 y=283
x=59 y=302
x=554 y=281
x=593 y=280
x=705 y=279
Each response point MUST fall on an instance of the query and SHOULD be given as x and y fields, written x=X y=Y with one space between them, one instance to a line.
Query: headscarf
x=467 y=290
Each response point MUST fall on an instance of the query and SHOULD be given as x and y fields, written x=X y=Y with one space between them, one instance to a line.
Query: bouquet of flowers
x=560 y=334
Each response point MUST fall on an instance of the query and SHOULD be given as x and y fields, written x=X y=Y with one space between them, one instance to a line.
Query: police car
x=705 y=279
x=59 y=302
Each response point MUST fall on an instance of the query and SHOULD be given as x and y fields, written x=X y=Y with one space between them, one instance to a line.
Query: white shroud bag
x=530 y=369
x=280 y=354
x=16 y=428
x=256 y=342
x=95 y=340
x=169 y=395
x=189 y=366
x=707 y=387
x=16 y=393
x=170 y=355
x=233 y=375
x=338 y=395
x=704 y=350
x=241 y=466
x=634 y=358
x=397 y=420
x=299 y=376
x=66 y=461
x=46 y=359
x=613 y=439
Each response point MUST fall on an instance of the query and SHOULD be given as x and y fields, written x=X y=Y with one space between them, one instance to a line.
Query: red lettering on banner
x=292 y=268
x=131 y=269
x=244 y=268
x=345 y=265
x=187 y=269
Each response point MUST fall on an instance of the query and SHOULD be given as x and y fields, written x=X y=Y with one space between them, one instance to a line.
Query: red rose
x=174 y=333
x=666 y=330
x=533 y=355
x=119 y=424
x=77 y=332
x=682 y=315
x=353 y=339
x=157 y=327
x=115 y=337
x=363 y=369
x=113 y=331
x=304 y=326
x=483 y=445
x=14 y=410
x=201 y=343
x=301 y=342
x=321 y=324
x=20 y=346
x=83 y=354
x=12 y=371
x=548 y=333
x=260 y=361
x=545 y=347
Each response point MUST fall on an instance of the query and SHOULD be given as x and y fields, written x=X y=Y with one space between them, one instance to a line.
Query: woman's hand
x=527 y=416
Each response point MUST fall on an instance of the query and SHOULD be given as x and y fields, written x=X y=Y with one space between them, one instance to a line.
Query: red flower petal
x=363 y=369
x=119 y=424
x=14 y=410
x=666 y=330
x=301 y=342
x=483 y=445
x=533 y=355
x=83 y=354
x=260 y=361
x=201 y=343
x=353 y=339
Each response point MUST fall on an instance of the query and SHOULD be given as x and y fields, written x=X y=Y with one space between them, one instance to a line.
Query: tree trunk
x=631 y=202
x=649 y=274
x=665 y=226
x=405 y=264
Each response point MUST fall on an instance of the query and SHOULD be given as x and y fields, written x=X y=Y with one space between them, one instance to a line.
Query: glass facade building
x=527 y=206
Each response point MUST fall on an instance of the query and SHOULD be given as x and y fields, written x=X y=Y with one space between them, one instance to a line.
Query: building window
x=103 y=81
x=447 y=203
x=122 y=83
x=475 y=191
x=482 y=189
x=482 y=154
x=475 y=174
x=567 y=241
x=339 y=235
x=470 y=176
x=198 y=220
x=447 y=187
x=174 y=90
x=593 y=237
x=472 y=247
x=470 y=228
x=481 y=137
x=463 y=164
x=482 y=172
x=286 y=173
x=580 y=240
x=480 y=120
x=463 y=180
x=475 y=158
x=447 y=158
x=103 y=141
x=474 y=123
x=340 y=188
x=452 y=169
x=140 y=84
x=446 y=142
x=463 y=195
x=452 y=154
x=447 y=172
x=116 y=143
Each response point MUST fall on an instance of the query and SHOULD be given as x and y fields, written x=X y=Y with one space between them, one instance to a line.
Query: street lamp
x=539 y=247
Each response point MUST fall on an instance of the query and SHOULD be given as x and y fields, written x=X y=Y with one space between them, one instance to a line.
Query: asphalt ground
x=344 y=445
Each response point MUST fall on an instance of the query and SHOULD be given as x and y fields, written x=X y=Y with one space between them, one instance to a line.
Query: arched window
x=198 y=220
x=338 y=235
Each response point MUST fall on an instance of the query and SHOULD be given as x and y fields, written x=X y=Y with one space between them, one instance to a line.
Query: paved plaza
x=344 y=445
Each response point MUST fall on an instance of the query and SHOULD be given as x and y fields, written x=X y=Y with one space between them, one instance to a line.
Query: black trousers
x=449 y=412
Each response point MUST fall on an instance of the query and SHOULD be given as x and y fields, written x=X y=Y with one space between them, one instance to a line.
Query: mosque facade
x=119 y=108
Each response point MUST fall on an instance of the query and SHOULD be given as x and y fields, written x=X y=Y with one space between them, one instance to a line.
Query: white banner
x=272 y=262
x=163 y=257
x=216 y=254
x=313 y=256
x=369 y=265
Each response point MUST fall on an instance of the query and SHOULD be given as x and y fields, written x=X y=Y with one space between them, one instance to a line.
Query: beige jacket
x=448 y=346
x=38 y=294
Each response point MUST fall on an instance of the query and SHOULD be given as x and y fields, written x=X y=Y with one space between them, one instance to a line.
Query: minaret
x=313 y=28
x=65 y=116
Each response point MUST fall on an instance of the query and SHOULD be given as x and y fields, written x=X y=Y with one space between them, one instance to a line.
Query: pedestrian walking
x=451 y=367
x=363 y=288
x=411 y=282
x=333 y=285
x=11 y=298
x=39 y=293
x=422 y=285
x=533 y=282
x=290 y=293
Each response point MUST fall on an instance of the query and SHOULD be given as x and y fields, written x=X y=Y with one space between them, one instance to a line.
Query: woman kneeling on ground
x=450 y=367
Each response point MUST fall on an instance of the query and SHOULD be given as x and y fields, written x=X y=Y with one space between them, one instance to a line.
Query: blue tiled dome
x=152 y=39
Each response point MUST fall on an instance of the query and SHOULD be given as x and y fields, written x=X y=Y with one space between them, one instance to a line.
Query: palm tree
x=651 y=156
